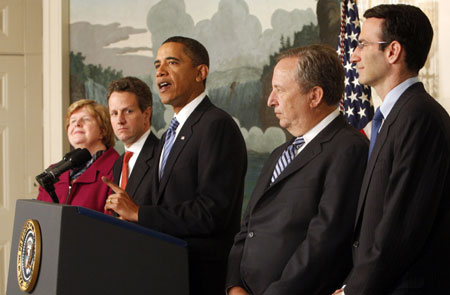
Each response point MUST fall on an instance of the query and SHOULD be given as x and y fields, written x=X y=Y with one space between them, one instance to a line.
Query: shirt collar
x=187 y=110
x=137 y=146
x=309 y=136
x=393 y=95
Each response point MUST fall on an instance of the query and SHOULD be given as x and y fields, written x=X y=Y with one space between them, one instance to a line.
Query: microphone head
x=69 y=154
x=78 y=157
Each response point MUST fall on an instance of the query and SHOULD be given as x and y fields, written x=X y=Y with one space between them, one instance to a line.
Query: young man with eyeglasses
x=401 y=240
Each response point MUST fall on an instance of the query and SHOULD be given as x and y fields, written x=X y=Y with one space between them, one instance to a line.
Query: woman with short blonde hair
x=88 y=126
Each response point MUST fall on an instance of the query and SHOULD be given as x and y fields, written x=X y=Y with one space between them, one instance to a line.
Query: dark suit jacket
x=199 y=197
x=295 y=237
x=139 y=183
x=402 y=238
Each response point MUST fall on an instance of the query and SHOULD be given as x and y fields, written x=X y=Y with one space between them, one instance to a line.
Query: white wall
x=56 y=78
x=21 y=138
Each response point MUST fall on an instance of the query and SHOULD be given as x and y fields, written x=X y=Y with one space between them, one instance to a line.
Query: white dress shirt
x=136 y=149
x=182 y=117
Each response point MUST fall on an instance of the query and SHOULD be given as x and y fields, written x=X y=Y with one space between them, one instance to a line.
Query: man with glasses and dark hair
x=401 y=243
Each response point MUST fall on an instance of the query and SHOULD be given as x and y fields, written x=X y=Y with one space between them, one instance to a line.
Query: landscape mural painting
x=110 y=39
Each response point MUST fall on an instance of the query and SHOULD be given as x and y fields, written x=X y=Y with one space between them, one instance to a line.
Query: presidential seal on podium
x=29 y=255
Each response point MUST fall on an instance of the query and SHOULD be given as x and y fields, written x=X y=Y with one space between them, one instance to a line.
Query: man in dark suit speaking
x=130 y=107
x=401 y=240
x=300 y=217
x=198 y=182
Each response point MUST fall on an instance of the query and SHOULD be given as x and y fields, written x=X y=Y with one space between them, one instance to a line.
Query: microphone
x=49 y=177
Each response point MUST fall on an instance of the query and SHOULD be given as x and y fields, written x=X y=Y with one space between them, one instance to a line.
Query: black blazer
x=199 y=197
x=402 y=238
x=139 y=182
x=295 y=237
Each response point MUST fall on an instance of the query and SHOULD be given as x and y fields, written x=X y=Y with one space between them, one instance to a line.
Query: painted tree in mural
x=80 y=73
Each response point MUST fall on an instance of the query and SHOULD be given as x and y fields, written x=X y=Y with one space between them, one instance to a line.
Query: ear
x=315 y=96
x=394 y=52
x=102 y=133
x=202 y=73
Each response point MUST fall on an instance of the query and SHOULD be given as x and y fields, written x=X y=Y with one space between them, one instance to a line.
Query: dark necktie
x=170 y=139
x=376 y=124
x=286 y=158
x=126 y=159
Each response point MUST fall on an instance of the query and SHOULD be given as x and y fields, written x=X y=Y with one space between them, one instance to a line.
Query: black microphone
x=73 y=159
x=49 y=177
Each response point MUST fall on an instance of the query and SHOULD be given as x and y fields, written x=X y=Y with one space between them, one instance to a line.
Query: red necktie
x=126 y=159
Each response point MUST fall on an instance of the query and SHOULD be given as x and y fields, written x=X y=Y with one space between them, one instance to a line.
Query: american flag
x=356 y=105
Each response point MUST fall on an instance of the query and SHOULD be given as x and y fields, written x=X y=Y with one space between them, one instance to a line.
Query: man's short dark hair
x=194 y=49
x=318 y=65
x=133 y=85
x=410 y=27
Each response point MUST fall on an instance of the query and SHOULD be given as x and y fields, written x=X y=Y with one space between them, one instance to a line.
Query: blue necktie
x=170 y=139
x=286 y=158
x=376 y=124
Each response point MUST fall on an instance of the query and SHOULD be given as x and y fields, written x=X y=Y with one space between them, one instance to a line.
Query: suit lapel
x=181 y=140
x=305 y=156
x=312 y=150
x=142 y=165
x=266 y=173
x=381 y=139
x=117 y=169
x=156 y=181
x=88 y=176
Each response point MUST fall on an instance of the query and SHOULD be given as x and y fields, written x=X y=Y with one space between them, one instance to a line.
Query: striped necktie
x=286 y=158
x=170 y=139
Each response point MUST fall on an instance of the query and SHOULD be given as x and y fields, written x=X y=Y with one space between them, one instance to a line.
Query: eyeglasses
x=362 y=44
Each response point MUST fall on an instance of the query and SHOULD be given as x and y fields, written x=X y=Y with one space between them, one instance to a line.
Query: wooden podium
x=86 y=252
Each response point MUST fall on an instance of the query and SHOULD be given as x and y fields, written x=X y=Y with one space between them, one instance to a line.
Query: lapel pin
x=182 y=137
